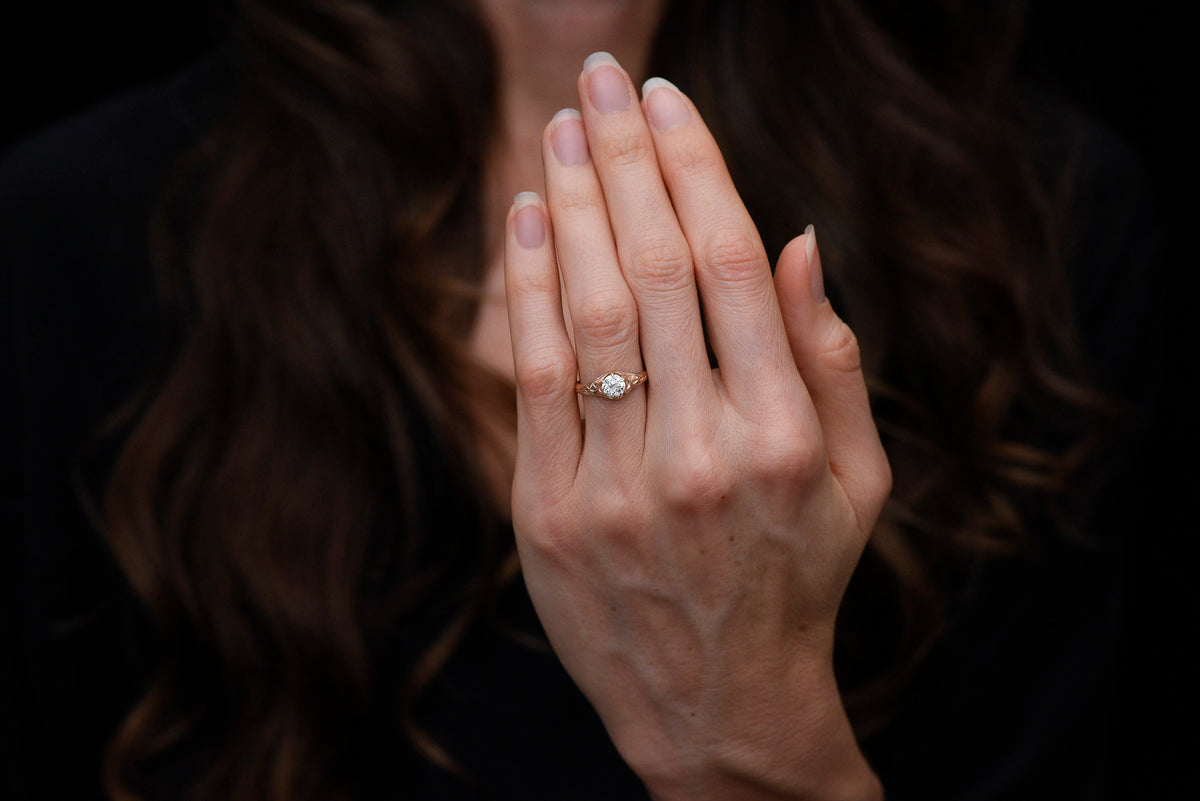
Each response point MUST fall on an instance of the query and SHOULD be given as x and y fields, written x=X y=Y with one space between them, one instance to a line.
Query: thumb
x=827 y=354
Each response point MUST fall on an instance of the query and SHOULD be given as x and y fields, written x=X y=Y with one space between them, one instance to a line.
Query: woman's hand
x=687 y=553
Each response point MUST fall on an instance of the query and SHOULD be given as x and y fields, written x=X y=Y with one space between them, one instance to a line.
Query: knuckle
x=841 y=351
x=530 y=284
x=545 y=373
x=546 y=524
x=695 y=478
x=873 y=488
x=881 y=487
x=576 y=201
x=694 y=160
x=625 y=149
x=554 y=540
x=619 y=525
x=609 y=316
x=791 y=457
x=662 y=265
x=613 y=514
x=734 y=257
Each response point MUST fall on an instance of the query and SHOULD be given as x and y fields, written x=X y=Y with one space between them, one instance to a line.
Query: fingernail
x=814 y=265
x=664 y=104
x=568 y=139
x=606 y=85
x=529 y=224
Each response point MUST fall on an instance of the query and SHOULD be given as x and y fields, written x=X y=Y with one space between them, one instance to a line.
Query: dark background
x=1126 y=65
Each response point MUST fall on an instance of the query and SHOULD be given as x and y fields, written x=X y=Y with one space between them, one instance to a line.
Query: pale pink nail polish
x=568 y=138
x=814 y=265
x=528 y=222
x=664 y=104
x=606 y=86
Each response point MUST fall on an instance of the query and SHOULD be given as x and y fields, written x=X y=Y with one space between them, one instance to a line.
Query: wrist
x=839 y=777
x=809 y=755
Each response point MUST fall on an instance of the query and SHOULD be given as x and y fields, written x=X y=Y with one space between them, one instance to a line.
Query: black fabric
x=80 y=328
x=1017 y=703
x=1024 y=698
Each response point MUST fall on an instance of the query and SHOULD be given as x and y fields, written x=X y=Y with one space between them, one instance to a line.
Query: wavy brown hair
x=301 y=503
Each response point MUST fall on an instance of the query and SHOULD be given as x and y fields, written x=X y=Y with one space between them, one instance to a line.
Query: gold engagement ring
x=611 y=386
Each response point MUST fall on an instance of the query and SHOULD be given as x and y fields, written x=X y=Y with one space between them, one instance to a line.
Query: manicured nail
x=814 y=265
x=529 y=224
x=568 y=138
x=664 y=104
x=606 y=86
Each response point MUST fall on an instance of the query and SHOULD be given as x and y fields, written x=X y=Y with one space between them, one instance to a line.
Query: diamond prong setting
x=613 y=386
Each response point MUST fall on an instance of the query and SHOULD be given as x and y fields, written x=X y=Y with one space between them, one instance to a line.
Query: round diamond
x=613 y=386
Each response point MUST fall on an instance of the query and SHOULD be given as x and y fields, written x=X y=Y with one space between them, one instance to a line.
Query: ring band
x=611 y=386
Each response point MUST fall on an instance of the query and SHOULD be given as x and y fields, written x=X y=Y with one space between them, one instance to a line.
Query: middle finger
x=654 y=255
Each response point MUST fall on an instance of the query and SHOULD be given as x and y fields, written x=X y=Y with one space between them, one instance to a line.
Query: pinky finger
x=549 y=433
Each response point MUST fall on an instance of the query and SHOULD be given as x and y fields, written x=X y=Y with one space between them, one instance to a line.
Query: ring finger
x=653 y=250
x=602 y=309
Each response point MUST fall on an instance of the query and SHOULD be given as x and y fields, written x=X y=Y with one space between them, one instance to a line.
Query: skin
x=688 y=551
x=540 y=45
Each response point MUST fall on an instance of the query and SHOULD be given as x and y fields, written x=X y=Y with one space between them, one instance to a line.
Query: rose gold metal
x=594 y=389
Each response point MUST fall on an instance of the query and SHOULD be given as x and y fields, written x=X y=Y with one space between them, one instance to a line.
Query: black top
x=1022 y=700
